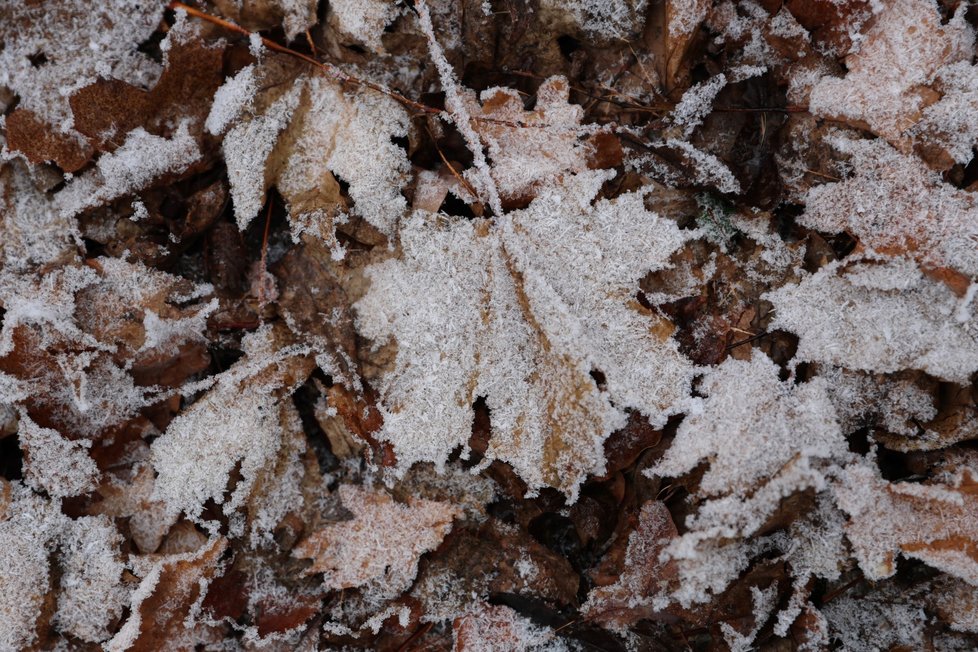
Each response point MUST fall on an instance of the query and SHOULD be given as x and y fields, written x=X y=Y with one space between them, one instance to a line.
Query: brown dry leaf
x=162 y=603
x=295 y=16
x=682 y=21
x=888 y=83
x=34 y=138
x=301 y=132
x=893 y=203
x=936 y=523
x=312 y=300
x=642 y=573
x=103 y=320
x=380 y=548
x=832 y=23
x=109 y=109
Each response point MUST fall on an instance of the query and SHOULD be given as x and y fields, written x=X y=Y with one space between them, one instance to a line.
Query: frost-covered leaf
x=89 y=592
x=237 y=424
x=530 y=149
x=161 y=606
x=752 y=425
x=379 y=549
x=301 y=138
x=54 y=464
x=888 y=79
x=77 y=335
x=33 y=231
x=936 y=523
x=893 y=203
x=77 y=43
x=643 y=574
x=521 y=311
x=490 y=628
x=763 y=446
x=880 y=316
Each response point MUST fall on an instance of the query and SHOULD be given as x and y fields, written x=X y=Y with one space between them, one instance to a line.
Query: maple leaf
x=521 y=311
x=763 y=446
x=530 y=149
x=379 y=549
x=238 y=424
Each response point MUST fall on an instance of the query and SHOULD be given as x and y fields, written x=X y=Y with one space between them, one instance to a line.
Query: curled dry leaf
x=643 y=573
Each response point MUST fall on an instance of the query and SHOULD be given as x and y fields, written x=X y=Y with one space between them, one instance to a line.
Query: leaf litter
x=488 y=325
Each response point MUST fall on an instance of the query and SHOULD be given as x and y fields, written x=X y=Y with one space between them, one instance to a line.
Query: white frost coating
x=364 y=20
x=140 y=160
x=520 y=312
x=33 y=231
x=764 y=603
x=752 y=424
x=27 y=533
x=894 y=203
x=455 y=104
x=707 y=168
x=94 y=594
x=696 y=104
x=351 y=137
x=246 y=148
x=609 y=18
x=878 y=316
x=53 y=463
x=902 y=52
x=167 y=335
x=231 y=99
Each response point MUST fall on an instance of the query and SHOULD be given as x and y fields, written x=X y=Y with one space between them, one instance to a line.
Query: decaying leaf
x=643 y=574
x=162 y=603
x=235 y=427
x=301 y=136
x=893 y=203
